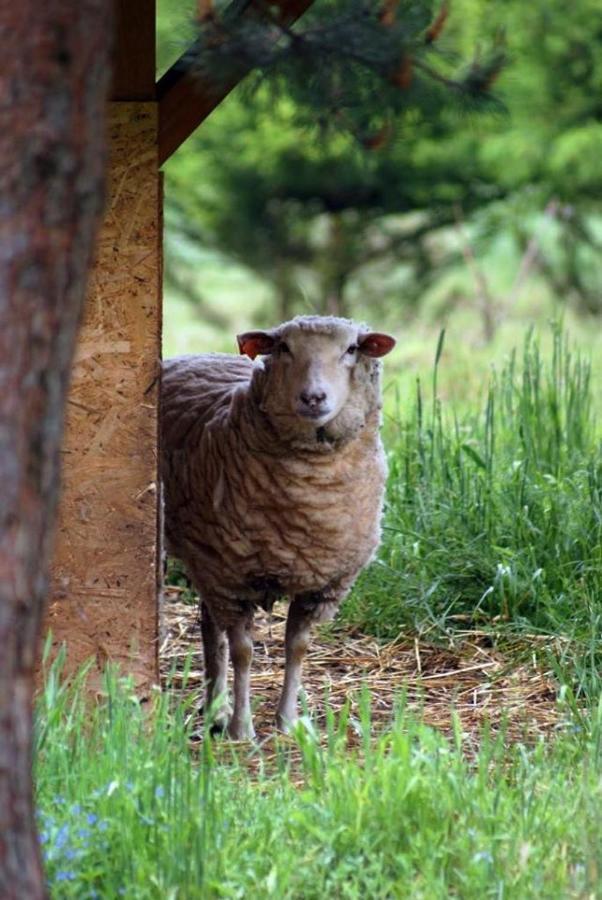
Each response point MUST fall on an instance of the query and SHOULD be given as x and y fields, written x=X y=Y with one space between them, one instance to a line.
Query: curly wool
x=257 y=511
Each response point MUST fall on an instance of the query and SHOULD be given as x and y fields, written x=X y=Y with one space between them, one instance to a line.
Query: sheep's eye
x=283 y=347
x=351 y=350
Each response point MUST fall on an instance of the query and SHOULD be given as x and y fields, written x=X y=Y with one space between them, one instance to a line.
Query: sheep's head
x=319 y=375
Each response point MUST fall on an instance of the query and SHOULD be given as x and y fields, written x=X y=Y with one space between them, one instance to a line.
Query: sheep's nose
x=313 y=399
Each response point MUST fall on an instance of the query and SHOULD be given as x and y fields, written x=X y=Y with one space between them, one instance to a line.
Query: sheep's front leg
x=304 y=610
x=241 y=653
x=215 y=654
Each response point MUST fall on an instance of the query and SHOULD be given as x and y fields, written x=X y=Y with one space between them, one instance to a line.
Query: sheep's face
x=313 y=368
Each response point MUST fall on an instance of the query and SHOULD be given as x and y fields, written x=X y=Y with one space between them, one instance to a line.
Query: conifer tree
x=302 y=171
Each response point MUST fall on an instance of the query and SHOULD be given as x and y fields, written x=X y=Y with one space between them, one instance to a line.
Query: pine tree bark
x=53 y=87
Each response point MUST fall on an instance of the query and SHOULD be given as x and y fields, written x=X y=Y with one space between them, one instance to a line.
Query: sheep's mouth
x=316 y=414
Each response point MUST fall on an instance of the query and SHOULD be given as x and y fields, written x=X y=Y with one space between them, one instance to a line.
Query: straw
x=479 y=683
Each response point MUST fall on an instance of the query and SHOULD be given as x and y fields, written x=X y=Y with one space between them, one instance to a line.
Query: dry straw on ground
x=480 y=683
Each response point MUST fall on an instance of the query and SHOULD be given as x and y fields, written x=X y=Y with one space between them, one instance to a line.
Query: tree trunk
x=336 y=268
x=287 y=293
x=335 y=303
x=484 y=297
x=53 y=86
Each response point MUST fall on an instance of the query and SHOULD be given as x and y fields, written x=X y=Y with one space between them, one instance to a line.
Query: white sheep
x=273 y=475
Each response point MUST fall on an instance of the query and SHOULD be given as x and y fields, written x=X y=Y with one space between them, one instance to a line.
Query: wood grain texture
x=104 y=597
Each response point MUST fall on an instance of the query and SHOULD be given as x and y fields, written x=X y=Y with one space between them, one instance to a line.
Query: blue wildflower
x=65 y=876
x=91 y=818
x=159 y=791
x=61 y=836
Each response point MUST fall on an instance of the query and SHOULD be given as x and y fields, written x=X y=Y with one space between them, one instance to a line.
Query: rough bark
x=53 y=84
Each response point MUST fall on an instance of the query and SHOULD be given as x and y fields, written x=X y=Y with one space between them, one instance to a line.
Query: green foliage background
x=268 y=216
x=484 y=220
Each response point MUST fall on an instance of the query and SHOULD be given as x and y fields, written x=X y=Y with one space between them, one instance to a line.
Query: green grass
x=126 y=809
x=495 y=519
x=494 y=515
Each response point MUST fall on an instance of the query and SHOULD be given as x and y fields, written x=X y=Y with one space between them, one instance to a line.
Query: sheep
x=273 y=475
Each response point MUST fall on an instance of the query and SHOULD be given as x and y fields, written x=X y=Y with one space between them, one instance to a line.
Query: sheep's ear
x=375 y=344
x=255 y=343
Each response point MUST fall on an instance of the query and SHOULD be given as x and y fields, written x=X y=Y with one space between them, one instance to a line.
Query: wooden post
x=106 y=560
x=103 y=602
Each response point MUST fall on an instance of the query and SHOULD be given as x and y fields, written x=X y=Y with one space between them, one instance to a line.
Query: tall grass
x=495 y=518
x=127 y=809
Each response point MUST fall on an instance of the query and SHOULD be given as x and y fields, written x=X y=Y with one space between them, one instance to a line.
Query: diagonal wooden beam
x=185 y=100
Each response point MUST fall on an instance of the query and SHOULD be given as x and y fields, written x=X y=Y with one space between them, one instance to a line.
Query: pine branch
x=348 y=64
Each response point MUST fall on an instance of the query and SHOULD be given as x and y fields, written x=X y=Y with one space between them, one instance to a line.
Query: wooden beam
x=134 y=53
x=185 y=100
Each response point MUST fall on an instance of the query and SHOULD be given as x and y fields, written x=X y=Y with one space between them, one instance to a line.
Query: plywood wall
x=104 y=586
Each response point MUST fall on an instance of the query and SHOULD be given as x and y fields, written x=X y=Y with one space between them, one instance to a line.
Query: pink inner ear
x=375 y=344
x=255 y=343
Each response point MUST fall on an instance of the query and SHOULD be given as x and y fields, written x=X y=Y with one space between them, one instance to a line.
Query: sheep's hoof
x=241 y=731
x=285 y=724
x=219 y=726
x=216 y=716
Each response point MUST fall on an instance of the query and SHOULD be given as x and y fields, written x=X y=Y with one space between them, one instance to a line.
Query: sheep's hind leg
x=304 y=610
x=215 y=654
x=240 y=726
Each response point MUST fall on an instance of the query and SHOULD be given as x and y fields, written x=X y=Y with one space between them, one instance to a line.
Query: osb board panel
x=104 y=596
